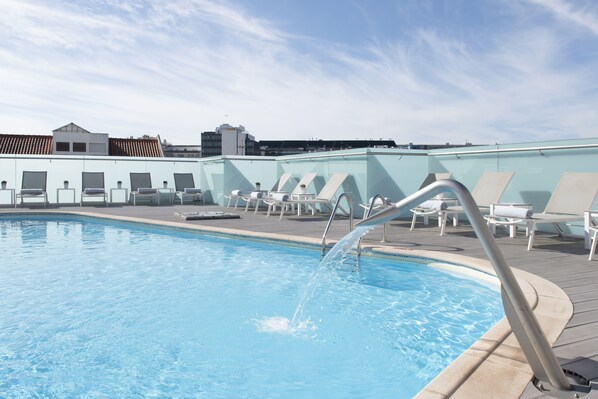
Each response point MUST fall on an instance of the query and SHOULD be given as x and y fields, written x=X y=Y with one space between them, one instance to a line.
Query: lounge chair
x=593 y=230
x=488 y=190
x=92 y=185
x=33 y=185
x=303 y=184
x=141 y=186
x=237 y=195
x=428 y=209
x=325 y=197
x=185 y=186
x=573 y=195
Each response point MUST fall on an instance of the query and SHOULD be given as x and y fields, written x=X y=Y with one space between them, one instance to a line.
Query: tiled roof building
x=135 y=147
x=42 y=145
x=25 y=144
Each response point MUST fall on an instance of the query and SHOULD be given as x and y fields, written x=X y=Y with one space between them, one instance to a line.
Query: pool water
x=112 y=310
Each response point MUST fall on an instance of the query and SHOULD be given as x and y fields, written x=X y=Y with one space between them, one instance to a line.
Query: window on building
x=63 y=146
x=79 y=147
x=96 y=147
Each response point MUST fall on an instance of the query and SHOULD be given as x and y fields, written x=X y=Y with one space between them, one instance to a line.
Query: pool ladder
x=333 y=214
x=549 y=376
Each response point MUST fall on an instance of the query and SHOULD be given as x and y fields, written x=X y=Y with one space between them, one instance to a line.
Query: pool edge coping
x=494 y=366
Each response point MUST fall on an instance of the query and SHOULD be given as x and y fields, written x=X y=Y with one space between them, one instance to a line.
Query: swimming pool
x=107 y=309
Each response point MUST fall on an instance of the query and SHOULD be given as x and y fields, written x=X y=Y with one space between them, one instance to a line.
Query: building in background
x=228 y=140
x=181 y=150
x=290 y=147
x=71 y=139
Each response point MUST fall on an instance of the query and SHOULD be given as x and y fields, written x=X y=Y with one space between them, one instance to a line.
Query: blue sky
x=484 y=71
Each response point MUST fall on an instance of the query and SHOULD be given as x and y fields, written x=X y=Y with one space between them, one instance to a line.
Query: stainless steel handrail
x=366 y=214
x=518 y=149
x=523 y=322
x=338 y=201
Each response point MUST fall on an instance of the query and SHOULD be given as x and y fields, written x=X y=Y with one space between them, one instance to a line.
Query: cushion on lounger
x=147 y=190
x=280 y=197
x=32 y=191
x=434 y=204
x=236 y=192
x=95 y=191
x=257 y=194
x=192 y=191
x=513 y=212
x=379 y=201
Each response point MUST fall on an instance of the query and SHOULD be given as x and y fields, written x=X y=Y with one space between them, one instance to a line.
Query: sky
x=420 y=71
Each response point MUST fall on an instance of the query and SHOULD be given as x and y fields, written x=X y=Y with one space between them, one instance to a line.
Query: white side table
x=126 y=191
x=304 y=197
x=13 y=202
x=58 y=190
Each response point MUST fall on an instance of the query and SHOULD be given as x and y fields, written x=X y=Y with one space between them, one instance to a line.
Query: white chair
x=573 y=195
x=426 y=211
x=594 y=233
x=326 y=196
x=92 y=185
x=487 y=191
x=300 y=188
x=238 y=195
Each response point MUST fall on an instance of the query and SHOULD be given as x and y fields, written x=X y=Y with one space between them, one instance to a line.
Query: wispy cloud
x=569 y=13
x=177 y=68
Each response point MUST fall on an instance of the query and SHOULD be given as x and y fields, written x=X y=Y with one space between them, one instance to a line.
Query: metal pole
x=523 y=322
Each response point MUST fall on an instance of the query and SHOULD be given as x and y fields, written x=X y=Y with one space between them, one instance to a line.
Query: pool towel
x=280 y=197
x=257 y=194
x=379 y=201
x=237 y=193
x=513 y=212
x=434 y=204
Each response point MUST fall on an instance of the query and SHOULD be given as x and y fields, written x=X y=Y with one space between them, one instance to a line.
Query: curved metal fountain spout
x=523 y=322
x=333 y=214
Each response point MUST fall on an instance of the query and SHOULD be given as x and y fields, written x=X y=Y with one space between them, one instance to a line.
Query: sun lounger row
x=34 y=185
x=293 y=199
x=570 y=202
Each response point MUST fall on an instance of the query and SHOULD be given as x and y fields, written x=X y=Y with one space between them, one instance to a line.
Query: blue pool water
x=112 y=310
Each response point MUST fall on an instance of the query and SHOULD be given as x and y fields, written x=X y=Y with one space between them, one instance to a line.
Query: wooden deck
x=560 y=260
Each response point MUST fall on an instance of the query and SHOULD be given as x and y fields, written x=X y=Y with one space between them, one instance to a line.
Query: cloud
x=177 y=68
x=567 y=12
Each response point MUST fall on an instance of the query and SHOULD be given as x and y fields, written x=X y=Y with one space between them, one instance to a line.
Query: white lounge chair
x=92 y=185
x=141 y=186
x=593 y=231
x=427 y=211
x=573 y=195
x=302 y=185
x=325 y=197
x=488 y=190
x=237 y=195
x=33 y=185
x=185 y=187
